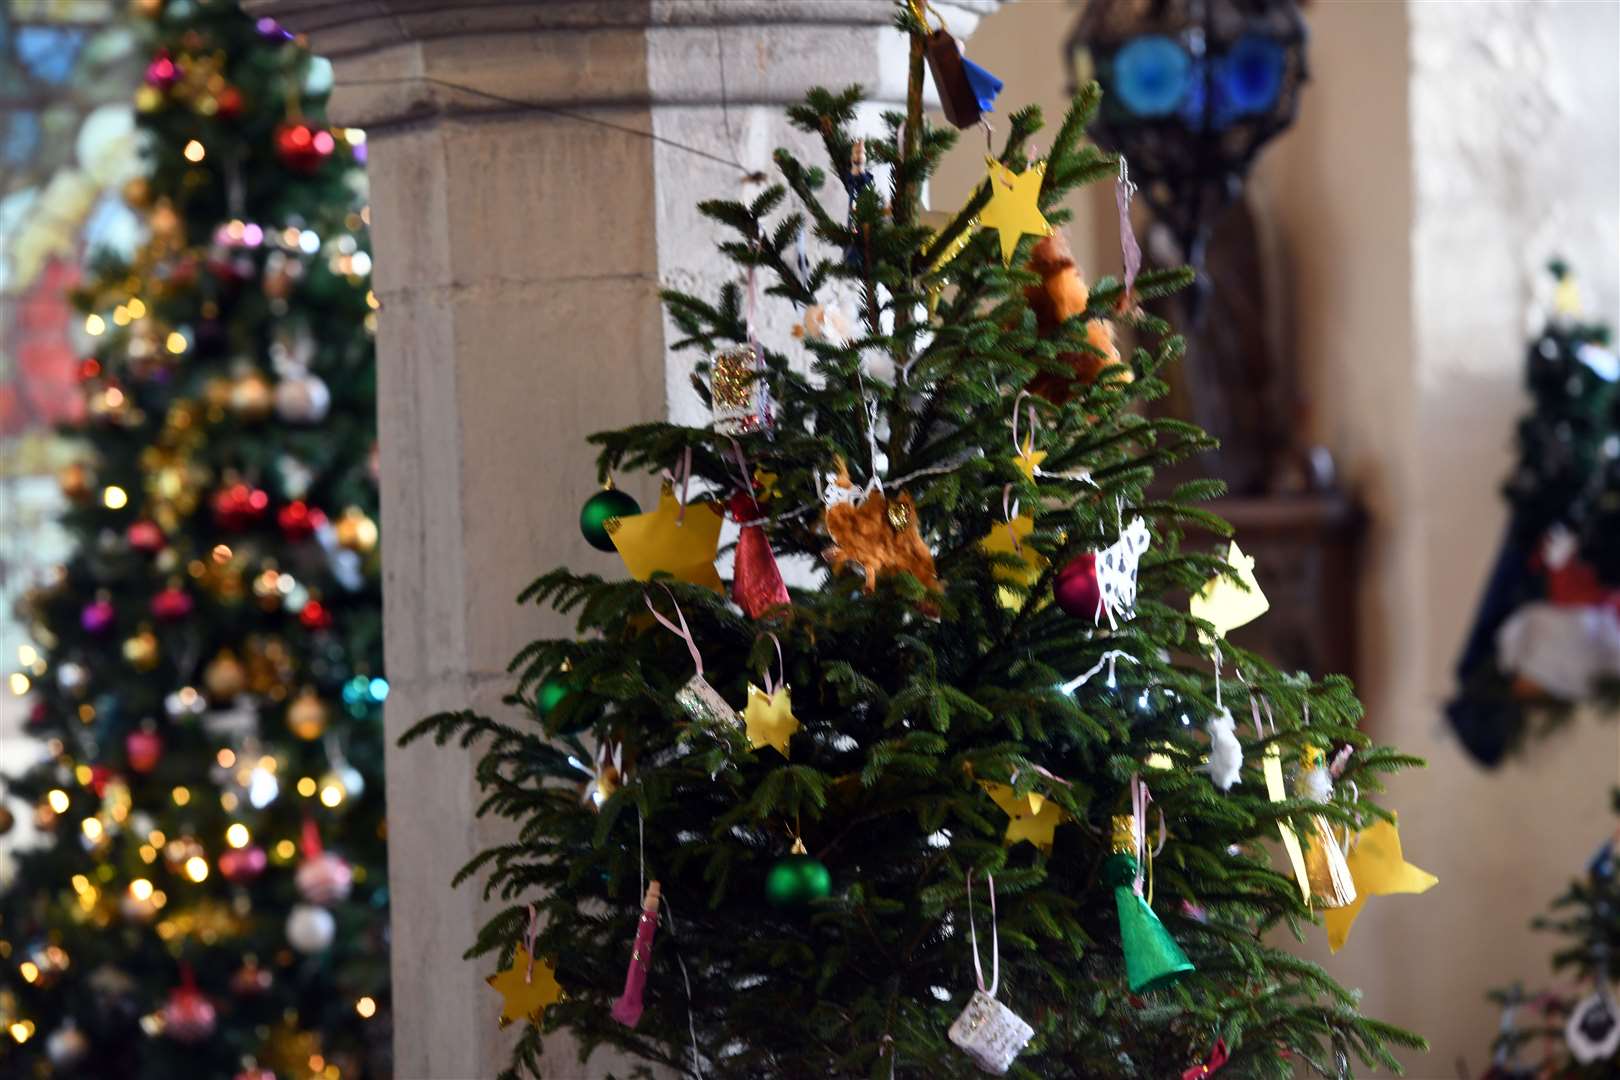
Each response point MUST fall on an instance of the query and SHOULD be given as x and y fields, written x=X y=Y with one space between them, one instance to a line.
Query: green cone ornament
x=599 y=509
x=1153 y=960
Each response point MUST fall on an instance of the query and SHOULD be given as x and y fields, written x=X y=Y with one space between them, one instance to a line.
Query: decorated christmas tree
x=959 y=784
x=205 y=673
x=1547 y=634
x=1573 y=1031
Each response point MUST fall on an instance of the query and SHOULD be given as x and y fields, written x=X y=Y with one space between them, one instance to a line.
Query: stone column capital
x=406 y=62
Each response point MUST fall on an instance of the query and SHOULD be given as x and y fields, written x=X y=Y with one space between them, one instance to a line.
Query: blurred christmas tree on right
x=1578 y=1029
x=1547 y=632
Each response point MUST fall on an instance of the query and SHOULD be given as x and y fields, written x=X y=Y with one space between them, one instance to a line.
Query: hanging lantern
x=1192 y=89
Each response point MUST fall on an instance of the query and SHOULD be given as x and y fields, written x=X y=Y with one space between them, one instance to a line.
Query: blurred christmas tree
x=941 y=758
x=1546 y=634
x=1573 y=1032
x=206 y=669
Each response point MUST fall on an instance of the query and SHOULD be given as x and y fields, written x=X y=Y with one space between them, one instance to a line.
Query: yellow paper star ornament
x=1379 y=868
x=1014 y=208
x=526 y=991
x=664 y=539
x=1031 y=817
x=1225 y=605
x=769 y=719
x=1008 y=539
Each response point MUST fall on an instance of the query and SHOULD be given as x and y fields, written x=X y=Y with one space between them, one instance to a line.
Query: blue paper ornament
x=985 y=86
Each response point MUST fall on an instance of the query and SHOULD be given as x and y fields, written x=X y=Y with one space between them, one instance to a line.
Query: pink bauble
x=1076 y=589
x=97 y=617
x=188 y=1016
x=241 y=865
x=145 y=537
x=143 y=749
x=324 y=879
x=171 y=605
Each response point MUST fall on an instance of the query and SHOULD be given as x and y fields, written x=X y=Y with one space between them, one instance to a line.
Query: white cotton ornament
x=1593 y=1031
x=1225 y=752
x=310 y=929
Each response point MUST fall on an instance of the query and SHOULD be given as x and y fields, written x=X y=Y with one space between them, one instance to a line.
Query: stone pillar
x=534 y=169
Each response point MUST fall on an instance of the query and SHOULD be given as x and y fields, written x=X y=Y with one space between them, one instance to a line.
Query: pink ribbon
x=680 y=631
x=1217 y=1058
x=1129 y=249
x=1140 y=800
x=995 y=938
x=1009 y=510
x=781 y=668
x=528 y=942
x=1019 y=447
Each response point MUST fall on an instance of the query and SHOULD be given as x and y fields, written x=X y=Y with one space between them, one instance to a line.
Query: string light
x=58 y=800
x=366 y=1007
x=92 y=829
x=115 y=497
x=22 y=1030
x=285 y=849
x=331 y=794
x=95 y=325
x=29 y=971
x=306 y=786
x=176 y=342
x=226 y=758
x=237 y=835
x=181 y=796
x=19 y=683
x=137 y=309
x=194 y=151
x=140 y=889
x=197 y=868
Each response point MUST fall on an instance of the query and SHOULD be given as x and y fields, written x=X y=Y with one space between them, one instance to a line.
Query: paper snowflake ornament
x=665 y=539
x=1116 y=571
x=769 y=719
x=526 y=988
x=1014 y=208
x=1378 y=867
x=1225 y=604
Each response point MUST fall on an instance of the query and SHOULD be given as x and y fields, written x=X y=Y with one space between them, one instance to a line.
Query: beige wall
x=1444 y=150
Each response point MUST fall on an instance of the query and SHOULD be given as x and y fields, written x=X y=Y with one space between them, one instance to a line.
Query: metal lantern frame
x=1189 y=162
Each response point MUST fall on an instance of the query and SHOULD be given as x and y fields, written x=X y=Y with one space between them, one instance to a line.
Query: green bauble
x=553 y=688
x=601 y=508
x=796 y=881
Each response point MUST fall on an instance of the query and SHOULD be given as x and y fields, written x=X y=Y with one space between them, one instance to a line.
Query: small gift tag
x=987 y=1031
x=701 y=701
x=990 y=1033
x=704 y=704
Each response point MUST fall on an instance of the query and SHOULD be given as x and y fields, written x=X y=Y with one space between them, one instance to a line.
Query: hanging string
x=995 y=938
x=1025 y=447
x=756 y=177
x=682 y=631
x=1009 y=510
x=1141 y=799
x=1215 y=654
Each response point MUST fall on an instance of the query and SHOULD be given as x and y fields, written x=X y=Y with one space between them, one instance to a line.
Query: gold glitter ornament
x=251 y=397
x=356 y=531
x=141 y=651
x=737 y=391
x=306 y=716
x=224 y=677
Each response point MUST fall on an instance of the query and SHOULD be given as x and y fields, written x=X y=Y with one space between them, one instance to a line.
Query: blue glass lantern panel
x=1250 y=75
x=1151 y=75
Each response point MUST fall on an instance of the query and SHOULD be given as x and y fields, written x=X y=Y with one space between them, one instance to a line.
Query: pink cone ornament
x=627 y=1010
